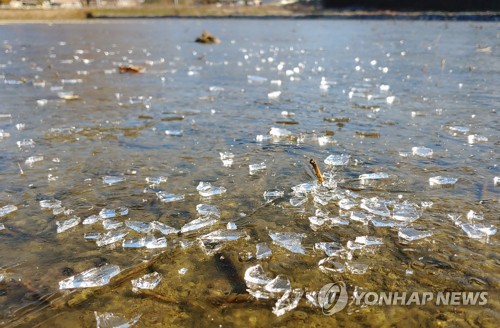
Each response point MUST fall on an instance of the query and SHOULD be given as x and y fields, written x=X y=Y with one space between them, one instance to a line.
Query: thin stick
x=20 y=168
x=319 y=176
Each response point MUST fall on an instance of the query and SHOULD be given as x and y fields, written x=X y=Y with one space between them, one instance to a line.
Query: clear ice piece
x=405 y=212
x=330 y=248
x=375 y=206
x=155 y=181
x=365 y=178
x=442 y=181
x=111 y=237
x=255 y=275
x=274 y=94
x=198 y=224
x=94 y=277
x=337 y=160
x=32 y=160
x=471 y=215
x=289 y=240
x=112 y=320
x=475 y=138
x=148 y=281
x=256 y=79
x=163 y=228
x=206 y=189
x=347 y=204
x=279 y=132
x=92 y=236
x=231 y=226
x=298 y=201
x=206 y=210
x=151 y=242
x=263 y=251
x=142 y=227
x=255 y=168
x=7 y=209
x=287 y=302
x=50 y=203
x=280 y=284
x=227 y=159
x=360 y=217
x=329 y=265
x=183 y=270
x=422 y=152
x=107 y=213
x=478 y=230
x=91 y=219
x=173 y=133
x=109 y=224
x=411 y=234
x=357 y=268
x=383 y=223
x=67 y=224
x=369 y=240
x=271 y=195
x=134 y=242
x=168 y=198
x=111 y=180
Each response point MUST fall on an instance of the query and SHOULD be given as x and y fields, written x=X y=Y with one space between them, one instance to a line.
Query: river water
x=407 y=100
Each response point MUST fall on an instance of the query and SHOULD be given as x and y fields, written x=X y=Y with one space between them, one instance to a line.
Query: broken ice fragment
x=382 y=223
x=111 y=180
x=91 y=236
x=271 y=195
x=111 y=320
x=422 y=151
x=287 y=302
x=347 y=204
x=405 y=212
x=142 y=227
x=375 y=206
x=478 y=230
x=183 y=270
x=263 y=251
x=231 y=226
x=459 y=129
x=148 y=281
x=369 y=240
x=279 y=132
x=254 y=168
x=91 y=219
x=94 y=277
x=256 y=275
x=33 y=159
x=471 y=215
x=411 y=234
x=496 y=181
x=50 y=203
x=109 y=224
x=26 y=143
x=274 y=95
x=280 y=284
x=206 y=189
x=442 y=181
x=111 y=237
x=152 y=242
x=221 y=235
x=198 y=224
x=289 y=240
x=134 y=242
x=163 y=228
x=326 y=140
x=357 y=268
x=107 y=213
x=227 y=158
x=155 y=181
x=330 y=248
x=365 y=178
x=205 y=209
x=337 y=160
x=256 y=79
x=168 y=198
x=68 y=224
x=173 y=133
x=7 y=209
x=474 y=138
x=329 y=265
x=360 y=217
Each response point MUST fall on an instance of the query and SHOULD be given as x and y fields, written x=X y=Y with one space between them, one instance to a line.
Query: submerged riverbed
x=198 y=169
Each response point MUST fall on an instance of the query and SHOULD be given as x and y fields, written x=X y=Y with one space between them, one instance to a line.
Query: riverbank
x=212 y=11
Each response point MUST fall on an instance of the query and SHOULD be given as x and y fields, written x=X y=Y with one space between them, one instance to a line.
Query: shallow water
x=387 y=87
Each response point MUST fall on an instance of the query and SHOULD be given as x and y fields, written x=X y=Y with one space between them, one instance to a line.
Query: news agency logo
x=333 y=298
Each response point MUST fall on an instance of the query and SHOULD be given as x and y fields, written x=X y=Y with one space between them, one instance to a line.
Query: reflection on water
x=102 y=168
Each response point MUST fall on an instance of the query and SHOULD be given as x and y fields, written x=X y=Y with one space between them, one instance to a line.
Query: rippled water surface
x=407 y=100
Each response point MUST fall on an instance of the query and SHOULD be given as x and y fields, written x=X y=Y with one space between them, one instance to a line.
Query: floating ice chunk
x=107 y=213
x=271 y=195
x=357 y=268
x=330 y=248
x=198 y=224
x=496 y=181
x=347 y=204
x=142 y=227
x=263 y=251
x=405 y=212
x=375 y=206
x=471 y=215
x=337 y=160
x=227 y=158
x=215 y=88
x=255 y=168
x=111 y=237
x=183 y=270
x=7 y=209
x=231 y=226
x=111 y=320
x=134 y=242
x=168 y=198
x=384 y=87
x=109 y=224
x=411 y=234
x=26 y=143
x=442 y=181
x=67 y=224
x=152 y=242
x=390 y=99
x=148 y=281
x=274 y=95
x=304 y=188
x=369 y=240
x=67 y=95
x=50 y=203
x=94 y=277
x=478 y=230
x=365 y=178
x=256 y=79
x=383 y=223
x=206 y=189
x=205 y=209
x=329 y=265
x=280 y=284
x=422 y=151
x=261 y=138
x=360 y=217
x=163 y=228
x=111 y=180
x=326 y=140
x=91 y=236
x=4 y=134
x=156 y=181
x=279 y=133
x=255 y=275
x=32 y=160
x=475 y=138
x=459 y=129
x=173 y=133
x=289 y=240
x=298 y=201
x=287 y=302
x=221 y=235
